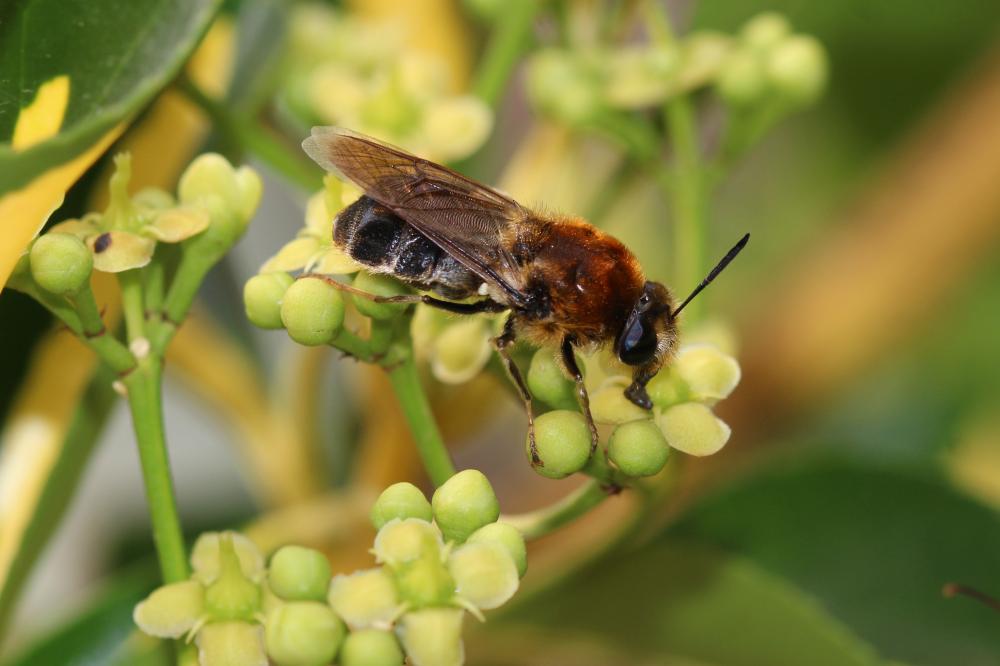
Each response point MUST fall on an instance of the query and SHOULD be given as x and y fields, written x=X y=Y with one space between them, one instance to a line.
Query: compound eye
x=637 y=343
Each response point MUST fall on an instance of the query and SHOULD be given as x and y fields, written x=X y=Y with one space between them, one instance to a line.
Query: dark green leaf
x=685 y=599
x=117 y=55
x=875 y=548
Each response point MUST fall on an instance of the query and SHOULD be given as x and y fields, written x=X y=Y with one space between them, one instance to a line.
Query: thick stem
x=538 y=523
x=417 y=410
x=145 y=403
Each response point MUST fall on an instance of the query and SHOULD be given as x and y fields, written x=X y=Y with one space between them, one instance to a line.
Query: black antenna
x=714 y=273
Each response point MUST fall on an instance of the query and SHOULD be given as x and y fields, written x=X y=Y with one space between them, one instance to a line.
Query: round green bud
x=262 y=295
x=797 y=69
x=507 y=536
x=433 y=636
x=548 y=381
x=60 y=263
x=371 y=647
x=299 y=574
x=312 y=311
x=303 y=633
x=667 y=389
x=171 y=610
x=563 y=441
x=765 y=30
x=463 y=504
x=400 y=500
x=691 y=427
x=485 y=574
x=379 y=285
x=401 y=541
x=424 y=582
x=638 y=448
x=741 y=81
x=364 y=598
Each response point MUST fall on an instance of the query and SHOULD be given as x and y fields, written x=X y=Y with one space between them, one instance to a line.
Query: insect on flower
x=565 y=282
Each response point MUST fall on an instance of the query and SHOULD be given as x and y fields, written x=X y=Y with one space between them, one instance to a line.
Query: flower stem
x=145 y=403
x=417 y=411
x=538 y=523
x=506 y=44
x=133 y=303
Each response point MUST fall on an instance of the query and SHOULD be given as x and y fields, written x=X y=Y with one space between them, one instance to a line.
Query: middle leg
x=569 y=360
x=502 y=342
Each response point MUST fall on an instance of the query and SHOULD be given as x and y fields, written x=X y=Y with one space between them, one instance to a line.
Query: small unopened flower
x=691 y=427
x=365 y=599
x=433 y=637
x=461 y=350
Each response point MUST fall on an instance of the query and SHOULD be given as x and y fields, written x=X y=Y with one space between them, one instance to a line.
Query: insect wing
x=470 y=221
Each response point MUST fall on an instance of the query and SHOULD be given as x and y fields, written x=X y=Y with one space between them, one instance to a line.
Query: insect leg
x=505 y=340
x=569 y=360
x=485 y=305
x=636 y=391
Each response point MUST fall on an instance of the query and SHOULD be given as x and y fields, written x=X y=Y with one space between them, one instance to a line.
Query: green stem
x=154 y=279
x=245 y=134
x=508 y=41
x=133 y=303
x=417 y=411
x=538 y=523
x=145 y=403
x=95 y=334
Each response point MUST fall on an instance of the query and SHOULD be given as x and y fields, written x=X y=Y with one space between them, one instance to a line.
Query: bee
x=565 y=283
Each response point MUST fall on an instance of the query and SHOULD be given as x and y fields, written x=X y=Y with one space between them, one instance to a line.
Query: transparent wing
x=470 y=221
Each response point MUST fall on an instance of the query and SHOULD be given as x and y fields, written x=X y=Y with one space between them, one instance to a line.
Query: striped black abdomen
x=379 y=239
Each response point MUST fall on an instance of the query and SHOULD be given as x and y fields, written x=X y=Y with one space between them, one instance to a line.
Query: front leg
x=636 y=392
x=569 y=361
x=502 y=342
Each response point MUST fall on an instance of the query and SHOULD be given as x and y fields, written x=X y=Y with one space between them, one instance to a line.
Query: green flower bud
x=638 y=448
x=609 y=405
x=485 y=574
x=433 y=636
x=206 y=556
x=371 y=647
x=231 y=644
x=400 y=500
x=507 y=536
x=765 y=31
x=741 y=81
x=212 y=175
x=262 y=295
x=60 y=263
x=380 y=285
x=303 y=633
x=299 y=574
x=461 y=351
x=548 y=381
x=667 y=388
x=365 y=598
x=312 y=311
x=691 y=427
x=401 y=541
x=563 y=441
x=232 y=596
x=640 y=76
x=424 y=581
x=463 y=504
x=171 y=610
x=708 y=373
x=797 y=69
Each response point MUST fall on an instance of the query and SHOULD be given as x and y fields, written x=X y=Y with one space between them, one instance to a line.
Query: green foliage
x=117 y=57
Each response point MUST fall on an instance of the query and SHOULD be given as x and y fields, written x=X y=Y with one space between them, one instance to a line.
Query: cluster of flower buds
x=342 y=70
x=640 y=441
x=578 y=85
x=436 y=560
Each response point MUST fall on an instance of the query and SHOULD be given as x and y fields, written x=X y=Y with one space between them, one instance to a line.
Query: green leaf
x=104 y=632
x=117 y=56
x=61 y=482
x=694 y=601
x=875 y=547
